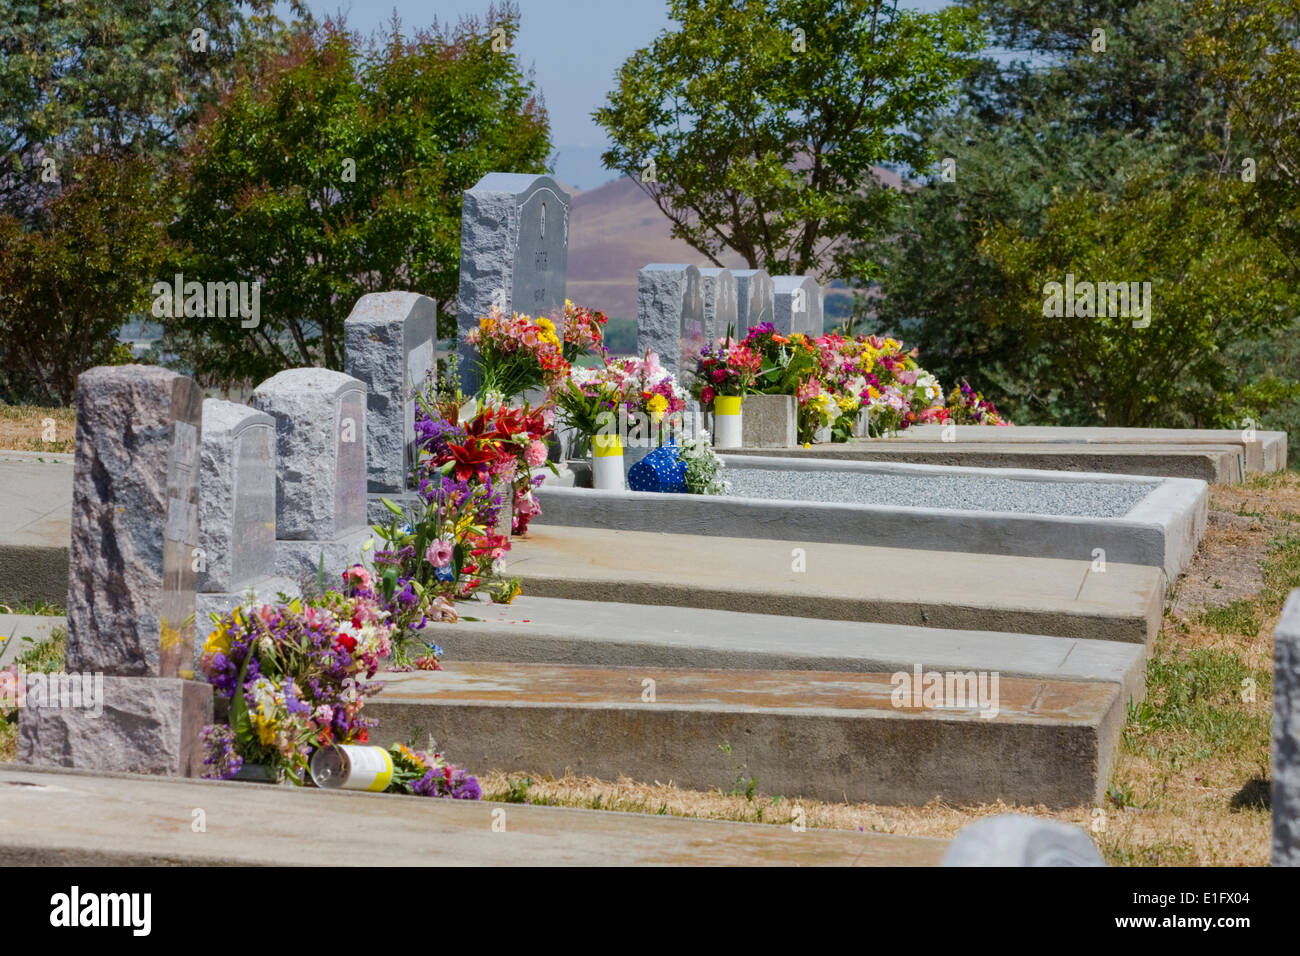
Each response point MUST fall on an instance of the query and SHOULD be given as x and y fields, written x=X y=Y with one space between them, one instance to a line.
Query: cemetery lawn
x=1190 y=780
x=22 y=428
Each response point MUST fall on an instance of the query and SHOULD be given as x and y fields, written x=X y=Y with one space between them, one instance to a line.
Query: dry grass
x=25 y=428
x=1190 y=781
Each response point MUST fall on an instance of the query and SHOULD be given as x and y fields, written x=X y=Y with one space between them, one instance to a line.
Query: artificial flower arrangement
x=293 y=677
x=640 y=390
x=968 y=407
x=517 y=353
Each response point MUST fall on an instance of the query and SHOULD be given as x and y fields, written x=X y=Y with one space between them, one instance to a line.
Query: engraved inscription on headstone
x=514 y=254
x=754 y=299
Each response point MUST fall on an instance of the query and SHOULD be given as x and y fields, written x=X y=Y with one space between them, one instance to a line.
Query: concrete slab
x=35 y=526
x=1161 y=528
x=15 y=627
x=944 y=589
x=1263 y=451
x=556 y=631
x=73 y=818
x=812 y=734
x=1216 y=464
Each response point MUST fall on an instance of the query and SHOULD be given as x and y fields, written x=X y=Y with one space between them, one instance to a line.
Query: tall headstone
x=236 y=512
x=514 y=253
x=670 y=313
x=1286 y=735
x=721 y=300
x=131 y=581
x=320 y=482
x=753 y=299
x=797 y=305
x=390 y=343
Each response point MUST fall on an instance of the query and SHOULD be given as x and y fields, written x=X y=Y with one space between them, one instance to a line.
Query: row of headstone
x=681 y=307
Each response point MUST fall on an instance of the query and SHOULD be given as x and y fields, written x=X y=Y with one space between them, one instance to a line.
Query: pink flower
x=358 y=575
x=535 y=454
x=439 y=553
x=706 y=395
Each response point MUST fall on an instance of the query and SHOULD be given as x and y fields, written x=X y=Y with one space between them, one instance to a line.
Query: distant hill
x=614 y=231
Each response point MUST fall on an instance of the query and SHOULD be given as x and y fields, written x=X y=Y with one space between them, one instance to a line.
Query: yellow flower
x=656 y=407
x=873 y=391
x=218 y=642
x=845 y=403
x=546 y=325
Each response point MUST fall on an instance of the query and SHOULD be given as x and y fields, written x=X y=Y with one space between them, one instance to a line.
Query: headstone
x=514 y=250
x=320 y=427
x=135 y=522
x=236 y=496
x=720 y=303
x=797 y=305
x=670 y=314
x=1013 y=839
x=1286 y=735
x=753 y=299
x=390 y=344
x=127 y=701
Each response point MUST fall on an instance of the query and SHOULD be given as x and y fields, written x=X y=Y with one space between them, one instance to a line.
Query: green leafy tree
x=66 y=286
x=125 y=78
x=338 y=170
x=764 y=119
x=1213 y=288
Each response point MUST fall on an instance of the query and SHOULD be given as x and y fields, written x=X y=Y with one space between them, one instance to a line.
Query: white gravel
x=1093 y=499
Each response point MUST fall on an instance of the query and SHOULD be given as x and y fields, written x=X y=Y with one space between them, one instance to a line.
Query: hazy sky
x=574 y=46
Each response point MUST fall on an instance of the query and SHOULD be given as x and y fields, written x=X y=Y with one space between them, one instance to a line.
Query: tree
x=1213 y=286
x=66 y=286
x=338 y=170
x=124 y=78
x=763 y=120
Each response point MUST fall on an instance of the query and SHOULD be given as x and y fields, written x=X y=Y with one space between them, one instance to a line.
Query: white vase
x=607 y=464
x=728 y=430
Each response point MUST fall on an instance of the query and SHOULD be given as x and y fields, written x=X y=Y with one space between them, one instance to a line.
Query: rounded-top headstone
x=797 y=305
x=320 y=427
x=721 y=300
x=1012 y=839
x=236 y=496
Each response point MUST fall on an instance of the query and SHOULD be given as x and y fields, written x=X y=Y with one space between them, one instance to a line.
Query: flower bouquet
x=517 y=354
x=584 y=332
x=968 y=407
x=424 y=774
x=292 y=678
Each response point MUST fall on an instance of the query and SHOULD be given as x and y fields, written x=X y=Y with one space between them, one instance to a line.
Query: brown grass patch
x=25 y=427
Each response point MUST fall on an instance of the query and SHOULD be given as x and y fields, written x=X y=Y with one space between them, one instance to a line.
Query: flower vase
x=607 y=472
x=727 y=426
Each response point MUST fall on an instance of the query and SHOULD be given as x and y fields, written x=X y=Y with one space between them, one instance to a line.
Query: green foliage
x=338 y=170
x=67 y=283
x=768 y=149
x=120 y=78
x=1213 y=286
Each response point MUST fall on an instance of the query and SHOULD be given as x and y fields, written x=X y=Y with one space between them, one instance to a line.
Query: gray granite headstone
x=670 y=313
x=320 y=427
x=1286 y=735
x=135 y=527
x=797 y=305
x=1013 y=839
x=720 y=303
x=514 y=252
x=753 y=299
x=390 y=344
x=236 y=496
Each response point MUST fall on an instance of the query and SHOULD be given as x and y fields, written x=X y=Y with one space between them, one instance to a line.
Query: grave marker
x=236 y=496
x=131 y=583
x=797 y=305
x=721 y=301
x=670 y=313
x=753 y=299
x=390 y=345
x=514 y=250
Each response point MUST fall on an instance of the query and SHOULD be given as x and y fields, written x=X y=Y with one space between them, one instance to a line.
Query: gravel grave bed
x=954 y=492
